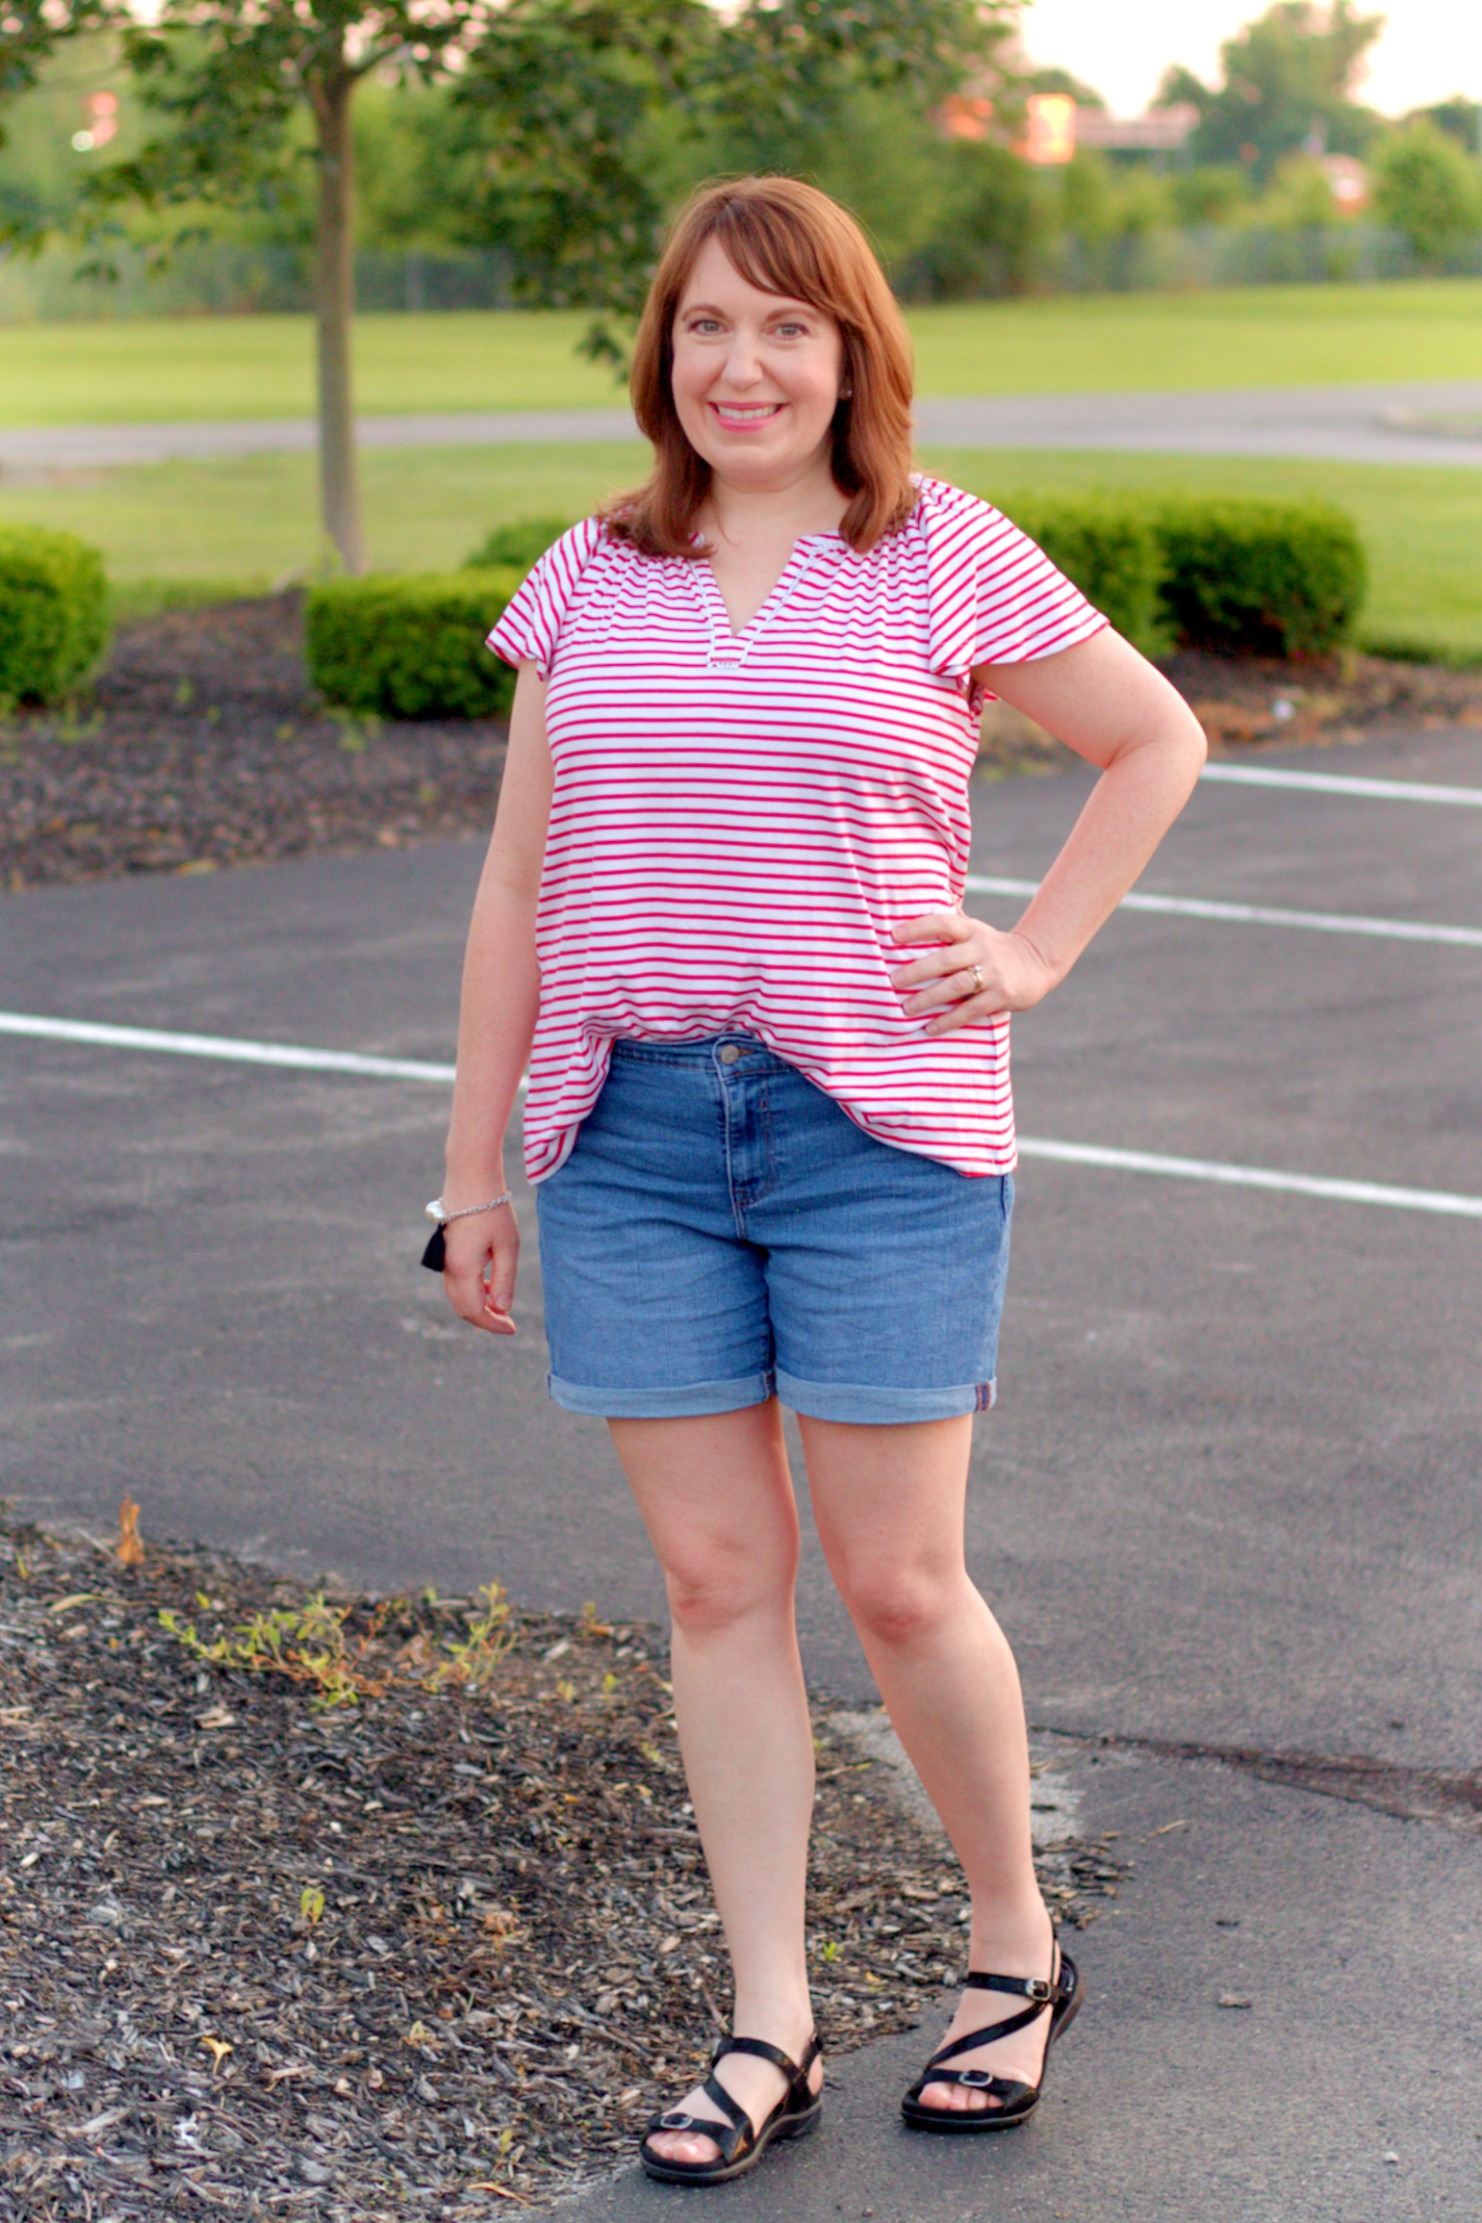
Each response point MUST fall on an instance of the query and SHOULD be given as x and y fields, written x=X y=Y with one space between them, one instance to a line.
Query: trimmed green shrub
x=53 y=612
x=411 y=647
x=1260 y=578
x=1110 y=549
x=522 y=543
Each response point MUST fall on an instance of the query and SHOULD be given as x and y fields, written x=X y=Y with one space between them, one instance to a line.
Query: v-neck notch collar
x=727 y=645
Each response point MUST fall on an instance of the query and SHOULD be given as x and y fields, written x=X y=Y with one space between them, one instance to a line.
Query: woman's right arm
x=496 y=1022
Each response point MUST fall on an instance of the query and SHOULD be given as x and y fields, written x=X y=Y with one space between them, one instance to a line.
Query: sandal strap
x=797 y=2092
x=977 y=2080
x=728 y=2104
x=990 y=2033
x=764 y=2051
x=1022 y=1987
x=729 y=2138
x=738 y=2132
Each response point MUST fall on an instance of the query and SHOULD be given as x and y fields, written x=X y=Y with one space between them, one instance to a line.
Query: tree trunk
x=334 y=312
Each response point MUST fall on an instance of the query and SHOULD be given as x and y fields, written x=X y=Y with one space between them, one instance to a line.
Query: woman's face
x=756 y=376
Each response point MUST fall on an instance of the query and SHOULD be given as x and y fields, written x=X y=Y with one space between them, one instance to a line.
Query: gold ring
x=977 y=980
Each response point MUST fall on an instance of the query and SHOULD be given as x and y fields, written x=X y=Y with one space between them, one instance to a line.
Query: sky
x=1428 y=49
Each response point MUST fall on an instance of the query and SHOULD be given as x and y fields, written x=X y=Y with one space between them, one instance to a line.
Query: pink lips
x=748 y=424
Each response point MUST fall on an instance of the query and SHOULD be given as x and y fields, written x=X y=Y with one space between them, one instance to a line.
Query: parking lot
x=1227 y=1509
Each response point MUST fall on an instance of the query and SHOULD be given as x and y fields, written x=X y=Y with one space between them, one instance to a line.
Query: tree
x=558 y=94
x=1459 y=118
x=233 y=78
x=31 y=32
x=588 y=117
x=1288 y=86
x=1427 y=188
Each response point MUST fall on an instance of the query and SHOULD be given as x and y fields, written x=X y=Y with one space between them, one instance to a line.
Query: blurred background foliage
x=460 y=200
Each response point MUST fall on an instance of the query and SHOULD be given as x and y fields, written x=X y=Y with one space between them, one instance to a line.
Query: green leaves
x=1288 y=80
x=579 y=118
x=232 y=76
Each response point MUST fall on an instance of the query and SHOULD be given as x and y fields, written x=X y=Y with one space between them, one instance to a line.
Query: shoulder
x=532 y=621
x=953 y=522
x=569 y=556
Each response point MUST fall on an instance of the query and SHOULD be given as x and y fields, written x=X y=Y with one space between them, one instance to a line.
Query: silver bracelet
x=438 y=1211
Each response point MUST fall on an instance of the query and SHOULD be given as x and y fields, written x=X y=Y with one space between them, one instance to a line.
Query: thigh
x=889 y=1496
x=655 y=1305
x=885 y=1272
x=716 y=1497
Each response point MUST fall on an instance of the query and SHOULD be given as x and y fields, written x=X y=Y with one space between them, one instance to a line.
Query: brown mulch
x=1255 y=703
x=436 y=1948
x=203 y=744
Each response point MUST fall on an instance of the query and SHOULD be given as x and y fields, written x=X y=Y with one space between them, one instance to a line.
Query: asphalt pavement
x=1428 y=421
x=1227 y=1509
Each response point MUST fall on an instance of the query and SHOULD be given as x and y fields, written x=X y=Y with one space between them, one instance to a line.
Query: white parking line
x=1342 y=783
x=290 y=1055
x=224 y=1046
x=1258 y=914
x=1254 y=1177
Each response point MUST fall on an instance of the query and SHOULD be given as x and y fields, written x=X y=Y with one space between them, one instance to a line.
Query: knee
x=713 y=1588
x=900 y=1603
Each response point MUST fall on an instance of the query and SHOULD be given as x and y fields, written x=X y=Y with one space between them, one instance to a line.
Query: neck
x=811 y=503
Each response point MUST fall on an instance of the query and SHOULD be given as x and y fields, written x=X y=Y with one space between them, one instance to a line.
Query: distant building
x=1349 y=181
x=1057 y=125
x=1161 y=131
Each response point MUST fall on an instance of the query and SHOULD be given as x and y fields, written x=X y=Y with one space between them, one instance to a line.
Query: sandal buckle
x=1036 y=1988
x=979 y=2079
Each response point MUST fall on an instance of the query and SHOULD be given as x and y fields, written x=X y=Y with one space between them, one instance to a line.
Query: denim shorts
x=723 y=1233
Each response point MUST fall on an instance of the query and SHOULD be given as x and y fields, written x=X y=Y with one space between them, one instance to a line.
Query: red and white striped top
x=739 y=820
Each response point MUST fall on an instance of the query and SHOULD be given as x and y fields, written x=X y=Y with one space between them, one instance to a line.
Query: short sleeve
x=531 y=624
x=995 y=598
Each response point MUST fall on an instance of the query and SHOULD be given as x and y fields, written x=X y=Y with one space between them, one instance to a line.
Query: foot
x=1020 y=2055
x=758 y=2086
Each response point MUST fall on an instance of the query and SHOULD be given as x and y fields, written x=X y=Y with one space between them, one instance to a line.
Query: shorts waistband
x=744 y=1051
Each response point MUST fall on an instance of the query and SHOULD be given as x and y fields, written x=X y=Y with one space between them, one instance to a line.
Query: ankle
x=785 y=2017
x=1002 y=1933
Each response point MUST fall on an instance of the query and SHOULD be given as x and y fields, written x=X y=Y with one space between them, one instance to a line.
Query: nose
x=743 y=361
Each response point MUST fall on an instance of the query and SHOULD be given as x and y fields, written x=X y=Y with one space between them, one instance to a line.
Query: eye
x=792 y=328
x=702 y=324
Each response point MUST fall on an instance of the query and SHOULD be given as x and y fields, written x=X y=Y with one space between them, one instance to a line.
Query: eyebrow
x=709 y=308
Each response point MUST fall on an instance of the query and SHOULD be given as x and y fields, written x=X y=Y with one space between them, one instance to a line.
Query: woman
x=768 y=1112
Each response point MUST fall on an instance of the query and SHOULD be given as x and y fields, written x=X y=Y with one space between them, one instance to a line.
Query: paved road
x=1425 y=422
x=1230 y=1499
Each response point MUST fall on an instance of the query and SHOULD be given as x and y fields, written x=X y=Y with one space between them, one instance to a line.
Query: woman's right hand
x=482 y=1256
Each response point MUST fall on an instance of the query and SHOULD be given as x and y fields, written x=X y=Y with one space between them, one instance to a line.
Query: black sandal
x=741 y=2142
x=1016 y=2099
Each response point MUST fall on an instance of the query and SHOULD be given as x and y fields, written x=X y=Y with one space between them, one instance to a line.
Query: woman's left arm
x=1110 y=705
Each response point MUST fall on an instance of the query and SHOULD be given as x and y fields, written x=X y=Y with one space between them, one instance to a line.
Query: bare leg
x=717 y=1500
x=890 y=1504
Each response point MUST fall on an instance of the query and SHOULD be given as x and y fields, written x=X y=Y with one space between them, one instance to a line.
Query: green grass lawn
x=239 y=524
x=261 y=366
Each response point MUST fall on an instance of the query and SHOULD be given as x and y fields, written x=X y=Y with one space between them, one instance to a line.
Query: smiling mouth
x=742 y=416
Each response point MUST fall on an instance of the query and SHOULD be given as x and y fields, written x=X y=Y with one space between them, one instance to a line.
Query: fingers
x=479 y=1277
x=934 y=926
x=954 y=928
x=499 y=1287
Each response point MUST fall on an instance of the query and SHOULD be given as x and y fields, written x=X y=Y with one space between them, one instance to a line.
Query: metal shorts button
x=729 y=1054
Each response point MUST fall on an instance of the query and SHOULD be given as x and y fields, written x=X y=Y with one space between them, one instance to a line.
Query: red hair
x=783 y=237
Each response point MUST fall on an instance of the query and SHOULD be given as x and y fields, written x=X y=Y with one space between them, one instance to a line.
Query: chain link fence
x=224 y=277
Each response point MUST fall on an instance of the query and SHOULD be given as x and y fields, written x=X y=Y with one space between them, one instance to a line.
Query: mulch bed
x=435 y=1948
x=202 y=744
